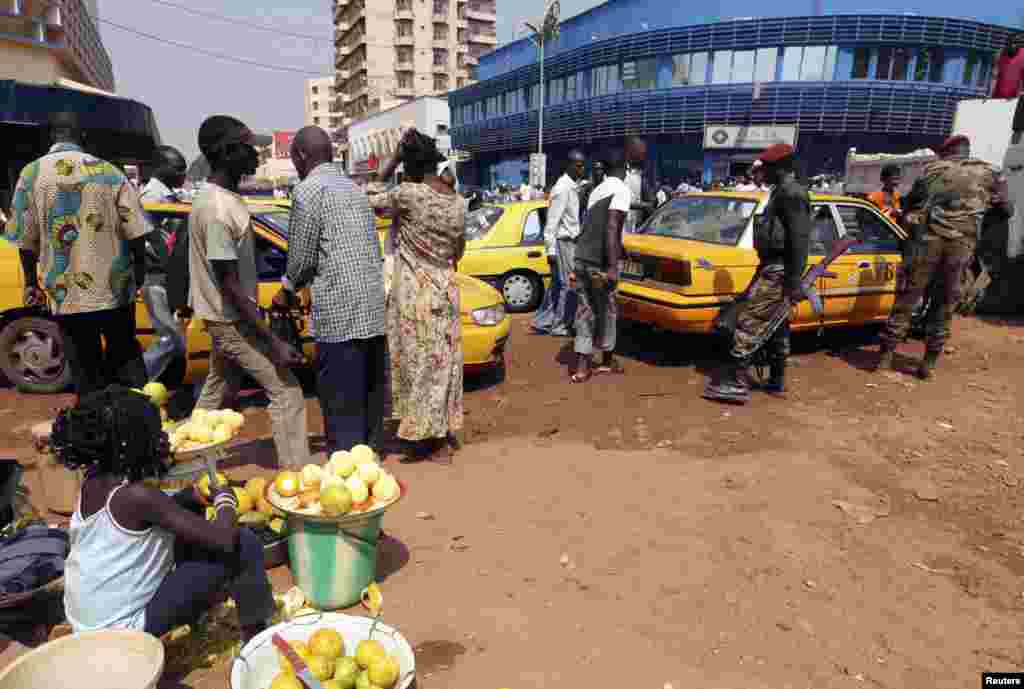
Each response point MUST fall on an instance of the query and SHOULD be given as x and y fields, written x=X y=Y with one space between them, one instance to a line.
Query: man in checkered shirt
x=332 y=243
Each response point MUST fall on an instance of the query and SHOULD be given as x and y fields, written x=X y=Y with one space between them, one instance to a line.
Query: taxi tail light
x=673 y=271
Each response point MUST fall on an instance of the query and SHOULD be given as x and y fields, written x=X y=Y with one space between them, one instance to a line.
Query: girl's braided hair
x=114 y=431
x=420 y=156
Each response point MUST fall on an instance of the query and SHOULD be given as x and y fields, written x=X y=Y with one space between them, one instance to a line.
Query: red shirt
x=1010 y=73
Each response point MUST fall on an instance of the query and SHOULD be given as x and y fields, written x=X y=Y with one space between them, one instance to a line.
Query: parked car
x=33 y=351
x=696 y=254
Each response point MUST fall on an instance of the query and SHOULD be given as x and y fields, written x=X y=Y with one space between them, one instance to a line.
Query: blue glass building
x=880 y=83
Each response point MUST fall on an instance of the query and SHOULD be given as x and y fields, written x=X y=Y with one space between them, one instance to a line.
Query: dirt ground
x=862 y=532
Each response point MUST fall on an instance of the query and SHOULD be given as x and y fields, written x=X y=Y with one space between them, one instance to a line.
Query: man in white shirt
x=641 y=205
x=558 y=311
x=596 y=273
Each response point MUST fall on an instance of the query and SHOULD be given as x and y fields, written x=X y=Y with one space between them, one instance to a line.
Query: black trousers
x=351 y=385
x=95 y=366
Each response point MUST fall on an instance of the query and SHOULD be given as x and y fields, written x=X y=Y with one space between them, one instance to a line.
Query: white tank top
x=112 y=572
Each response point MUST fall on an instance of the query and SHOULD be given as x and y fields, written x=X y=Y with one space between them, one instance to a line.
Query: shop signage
x=726 y=136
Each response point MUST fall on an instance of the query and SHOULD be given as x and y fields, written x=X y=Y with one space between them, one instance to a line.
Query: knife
x=298 y=664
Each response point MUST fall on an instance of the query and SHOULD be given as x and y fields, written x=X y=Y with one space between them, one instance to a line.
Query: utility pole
x=541 y=33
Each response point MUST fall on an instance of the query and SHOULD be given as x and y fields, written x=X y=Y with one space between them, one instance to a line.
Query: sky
x=183 y=87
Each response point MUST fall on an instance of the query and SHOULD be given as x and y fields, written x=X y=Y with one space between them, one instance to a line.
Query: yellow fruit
x=264 y=506
x=311 y=476
x=286 y=681
x=335 y=684
x=308 y=498
x=156 y=392
x=204 y=483
x=221 y=434
x=363 y=680
x=287 y=484
x=363 y=454
x=342 y=463
x=256 y=487
x=369 y=472
x=211 y=514
x=301 y=649
x=369 y=651
x=200 y=434
x=346 y=671
x=357 y=487
x=322 y=667
x=277 y=525
x=335 y=501
x=386 y=488
x=384 y=672
x=245 y=503
x=199 y=415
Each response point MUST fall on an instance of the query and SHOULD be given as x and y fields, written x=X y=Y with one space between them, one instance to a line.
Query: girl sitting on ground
x=141 y=559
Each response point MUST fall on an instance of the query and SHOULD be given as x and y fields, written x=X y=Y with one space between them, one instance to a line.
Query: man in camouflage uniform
x=781 y=237
x=945 y=208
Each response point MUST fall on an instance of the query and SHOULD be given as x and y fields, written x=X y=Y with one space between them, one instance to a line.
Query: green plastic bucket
x=332 y=563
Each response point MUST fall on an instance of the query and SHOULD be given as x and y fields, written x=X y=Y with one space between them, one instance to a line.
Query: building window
x=930 y=64
x=404 y=53
x=721 y=67
x=813 y=63
x=440 y=82
x=641 y=75
x=743 y=67
x=316 y=90
x=766 y=61
x=861 y=63
x=556 y=91
x=440 y=32
x=316 y=120
x=971 y=67
x=534 y=98
x=440 y=57
x=570 y=87
x=605 y=80
x=462 y=33
x=441 y=7
x=404 y=81
x=404 y=28
x=316 y=105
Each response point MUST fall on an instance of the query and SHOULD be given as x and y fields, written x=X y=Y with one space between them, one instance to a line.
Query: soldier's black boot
x=926 y=371
x=731 y=385
x=776 y=384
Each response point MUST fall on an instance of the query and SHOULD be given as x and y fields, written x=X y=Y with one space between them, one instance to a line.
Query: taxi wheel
x=34 y=356
x=522 y=292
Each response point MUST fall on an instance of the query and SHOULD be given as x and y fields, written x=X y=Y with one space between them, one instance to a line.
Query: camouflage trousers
x=596 y=313
x=937 y=268
x=756 y=317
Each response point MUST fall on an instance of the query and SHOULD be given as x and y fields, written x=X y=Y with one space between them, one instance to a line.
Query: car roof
x=259 y=206
x=762 y=195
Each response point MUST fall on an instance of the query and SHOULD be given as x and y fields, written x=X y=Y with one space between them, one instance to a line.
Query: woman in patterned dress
x=424 y=326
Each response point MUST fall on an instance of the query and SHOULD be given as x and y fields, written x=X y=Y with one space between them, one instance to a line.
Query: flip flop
x=614 y=367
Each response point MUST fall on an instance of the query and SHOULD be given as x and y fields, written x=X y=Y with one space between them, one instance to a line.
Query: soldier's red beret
x=953 y=141
x=774 y=154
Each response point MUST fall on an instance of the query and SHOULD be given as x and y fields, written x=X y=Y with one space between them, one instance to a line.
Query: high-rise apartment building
x=392 y=51
x=44 y=41
x=320 y=104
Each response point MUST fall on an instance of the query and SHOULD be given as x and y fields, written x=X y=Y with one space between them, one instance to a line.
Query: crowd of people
x=381 y=319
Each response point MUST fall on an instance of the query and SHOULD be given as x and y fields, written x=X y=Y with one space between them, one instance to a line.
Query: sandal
x=581 y=377
x=612 y=367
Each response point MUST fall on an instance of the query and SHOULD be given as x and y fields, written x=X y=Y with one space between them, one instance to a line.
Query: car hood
x=475 y=294
x=715 y=255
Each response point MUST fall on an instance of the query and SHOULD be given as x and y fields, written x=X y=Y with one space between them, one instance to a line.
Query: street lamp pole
x=543 y=31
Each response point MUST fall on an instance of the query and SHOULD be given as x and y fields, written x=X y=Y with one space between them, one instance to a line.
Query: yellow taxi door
x=871 y=265
x=836 y=298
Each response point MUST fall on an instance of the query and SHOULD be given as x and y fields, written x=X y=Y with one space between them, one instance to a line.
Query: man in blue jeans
x=333 y=245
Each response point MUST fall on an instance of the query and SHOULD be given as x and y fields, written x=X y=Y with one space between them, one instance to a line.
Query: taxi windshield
x=276 y=219
x=714 y=219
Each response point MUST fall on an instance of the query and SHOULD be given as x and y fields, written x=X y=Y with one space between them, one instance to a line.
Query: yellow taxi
x=696 y=254
x=33 y=352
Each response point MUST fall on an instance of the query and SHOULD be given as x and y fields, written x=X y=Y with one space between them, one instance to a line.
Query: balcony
x=462 y=23
x=483 y=38
x=441 y=43
x=439 y=18
x=340 y=29
x=405 y=92
x=469 y=59
x=481 y=12
x=405 y=40
x=439 y=69
x=342 y=73
x=405 y=66
x=405 y=13
x=462 y=48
